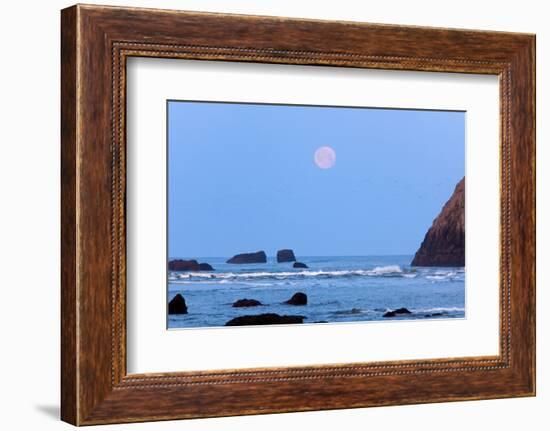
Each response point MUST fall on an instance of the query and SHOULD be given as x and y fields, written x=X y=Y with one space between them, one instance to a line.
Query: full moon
x=325 y=157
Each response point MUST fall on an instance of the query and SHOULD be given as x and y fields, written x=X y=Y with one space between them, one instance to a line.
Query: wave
x=440 y=310
x=390 y=269
x=415 y=312
x=350 y=312
x=445 y=275
x=379 y=271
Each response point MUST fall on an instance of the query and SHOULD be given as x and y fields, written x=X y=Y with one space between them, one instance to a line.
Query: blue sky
x=242 y=178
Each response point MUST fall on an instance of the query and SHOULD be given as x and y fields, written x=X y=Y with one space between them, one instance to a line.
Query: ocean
x=338 y=289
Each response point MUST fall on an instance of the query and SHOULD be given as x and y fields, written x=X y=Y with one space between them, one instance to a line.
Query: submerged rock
x=285 y=255
x=444 y=242
x=397 y=312
x=188 y=265
x=434 y=315
x=257 y=257
x=246 y=303
x=300 y=265
x=177 y=305
x=298 y=298
x=264 y=319
x=352 y=311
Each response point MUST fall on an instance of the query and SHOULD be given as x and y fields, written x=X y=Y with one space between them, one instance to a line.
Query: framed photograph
x=264 y=215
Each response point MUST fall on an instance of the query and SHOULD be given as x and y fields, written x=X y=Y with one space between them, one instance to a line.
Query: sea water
x=338 y=289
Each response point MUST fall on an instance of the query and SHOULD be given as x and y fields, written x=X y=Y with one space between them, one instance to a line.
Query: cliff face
x=443 y=244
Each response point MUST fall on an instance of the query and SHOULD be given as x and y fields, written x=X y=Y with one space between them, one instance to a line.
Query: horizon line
x=302 y=255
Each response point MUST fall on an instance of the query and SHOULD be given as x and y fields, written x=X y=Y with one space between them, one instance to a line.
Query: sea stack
x=285 y=255
x=443 y=244
x=298 y=298
x=188 y=265
x=177 y=305
x=257 y=257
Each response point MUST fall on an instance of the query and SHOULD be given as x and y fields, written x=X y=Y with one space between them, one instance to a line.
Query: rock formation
x=177 y=305
x=285 y=255
x=398 y=312
x=444 y=242
x=246 y=303
x=265 y=319
x=298 y=298
x=188 y=265
x=299 y=265
x=257 y=257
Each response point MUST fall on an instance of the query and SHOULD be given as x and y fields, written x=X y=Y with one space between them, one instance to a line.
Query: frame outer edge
x=69 y=202
x=532 y=80
x=533 y=54
x=523 y=216
x=530 y=63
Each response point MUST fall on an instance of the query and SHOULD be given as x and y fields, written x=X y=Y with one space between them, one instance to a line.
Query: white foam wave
x=440 y=310
x=390 y=269
x=445 y=275
x=377 y=271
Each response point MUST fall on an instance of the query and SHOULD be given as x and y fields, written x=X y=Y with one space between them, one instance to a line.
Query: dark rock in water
x=434 y=315
x=246 y=303
x=299 y=265
x=352 y=311
x=265 y=319
x=321 y=321
x=444 y=242
x=298 y=298
x=183 y=265
x=188 y=265
x=177 y=305
x=205 y=267
x=285 y=255
x=402 y=311
x=258 y=257
x=398 y=312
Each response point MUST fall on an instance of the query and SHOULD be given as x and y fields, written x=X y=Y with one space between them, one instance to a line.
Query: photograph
x=301 y=214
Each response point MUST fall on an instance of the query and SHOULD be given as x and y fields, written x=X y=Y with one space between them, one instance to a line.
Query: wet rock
x=397 y=312
x=177 y=305
x=285 y=255
x=434 y=315
x=257 y=257
x=188 y=265
x=299 y=265
x=444 y=242
x=298 y=298
x=246 y=303
x=265 y=319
